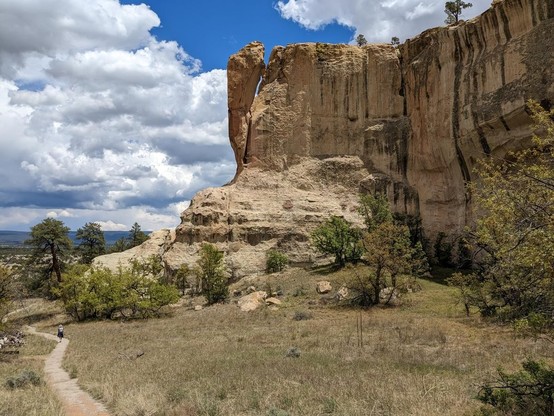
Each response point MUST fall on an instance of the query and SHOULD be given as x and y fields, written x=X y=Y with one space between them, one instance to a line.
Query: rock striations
x=321 y=123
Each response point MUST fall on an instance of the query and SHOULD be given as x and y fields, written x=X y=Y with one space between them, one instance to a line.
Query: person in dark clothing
x=60 y=333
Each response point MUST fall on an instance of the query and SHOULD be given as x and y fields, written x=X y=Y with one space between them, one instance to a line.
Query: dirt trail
x=75 y=401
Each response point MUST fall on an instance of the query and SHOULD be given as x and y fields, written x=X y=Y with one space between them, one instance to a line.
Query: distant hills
x=17 y=238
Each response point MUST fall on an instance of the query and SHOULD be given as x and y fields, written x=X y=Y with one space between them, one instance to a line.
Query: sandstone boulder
x=342 y=293
x=252 y=301
x=323 y=286
x=390 y=296
x=273 y=301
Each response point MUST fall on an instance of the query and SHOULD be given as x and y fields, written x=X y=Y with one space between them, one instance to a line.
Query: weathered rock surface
x=252 y=301
x=419 y=117
x=157 y=244
x=330 y=121
x=465 y=89
x=246 y=68
x=265 y=210
x=273 y=301
x=323 y=286
x=342 y=293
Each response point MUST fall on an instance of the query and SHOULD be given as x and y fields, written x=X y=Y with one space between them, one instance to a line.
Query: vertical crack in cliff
x=366 y=86
x=248 y=139
x=533 y=14
x=476 y=34
x=505 y=23
x=550 y=10
x=402 y=91
x=456 y=111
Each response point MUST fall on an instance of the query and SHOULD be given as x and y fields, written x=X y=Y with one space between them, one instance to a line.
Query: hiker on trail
x=60 y=332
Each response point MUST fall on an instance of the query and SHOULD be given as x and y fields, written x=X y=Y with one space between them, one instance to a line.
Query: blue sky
x=212 y=34
x=116 y=112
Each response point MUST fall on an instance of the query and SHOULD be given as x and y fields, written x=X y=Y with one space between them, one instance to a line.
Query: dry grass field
x=422 y=358
x=30 y=400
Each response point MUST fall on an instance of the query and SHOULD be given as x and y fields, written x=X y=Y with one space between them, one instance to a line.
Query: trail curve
x=74 y=400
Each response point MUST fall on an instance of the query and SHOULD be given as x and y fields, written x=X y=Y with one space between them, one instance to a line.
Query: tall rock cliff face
x=320 y=123
x=465 y=90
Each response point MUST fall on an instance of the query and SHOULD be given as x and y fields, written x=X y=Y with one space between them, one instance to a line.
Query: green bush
x=512 y=236
x=337 y=237
x=527 y=392
x=211 y=274
x=276 y=261
x=23 y=379
x=100 y=293
x=181 y=278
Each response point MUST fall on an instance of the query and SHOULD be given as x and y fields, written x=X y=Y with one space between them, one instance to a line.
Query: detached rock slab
x=323 y=287
x=390 y=296
x=342 y=293
x=273 y=301
x=252 y=301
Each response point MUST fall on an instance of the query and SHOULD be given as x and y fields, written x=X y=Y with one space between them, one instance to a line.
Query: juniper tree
x=92 y=242
x=50 y=239
x=453 y=10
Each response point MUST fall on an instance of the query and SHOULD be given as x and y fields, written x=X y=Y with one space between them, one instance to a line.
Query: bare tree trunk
x=56 y=263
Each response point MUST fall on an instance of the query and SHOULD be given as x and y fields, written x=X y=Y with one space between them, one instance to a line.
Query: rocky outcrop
x=329 y=121
x=245 y=70
x=465 y=91
x=418 y=117
x=158 y=244
x=266 y=210
x=321 y=123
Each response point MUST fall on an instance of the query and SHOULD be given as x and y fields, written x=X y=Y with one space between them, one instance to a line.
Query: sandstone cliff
x=320 y=123
x=465 y=91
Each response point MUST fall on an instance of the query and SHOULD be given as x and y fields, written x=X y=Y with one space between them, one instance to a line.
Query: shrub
x=100 y=293
x=302 y=316
x=23 y=379
x=212 y=275
x=392 y=261
x=512 y=236
x=276 y=261
x=337 y=237
x=181 y=278
x=375 y=210
x=293 y=352
x=6 y=290
x=527 y=392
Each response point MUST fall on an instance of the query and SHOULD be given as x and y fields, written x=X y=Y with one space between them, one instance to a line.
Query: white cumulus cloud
x=377 y=20
x=99 y=118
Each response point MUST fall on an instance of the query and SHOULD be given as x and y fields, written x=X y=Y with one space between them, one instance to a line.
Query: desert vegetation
x=513 y=278
x=100 y=293
x=424 y=357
